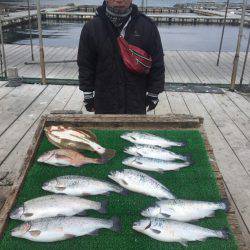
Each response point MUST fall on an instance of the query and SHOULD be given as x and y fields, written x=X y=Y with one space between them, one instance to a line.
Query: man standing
x=108 y=86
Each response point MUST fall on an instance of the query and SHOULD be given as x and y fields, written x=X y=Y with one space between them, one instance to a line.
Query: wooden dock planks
x=181 y=66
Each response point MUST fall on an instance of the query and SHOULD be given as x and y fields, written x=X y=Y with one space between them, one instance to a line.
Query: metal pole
x=31 y=42
x=245 y=61
x=222 y=34
x=3 y=50
x=1 y=62
x=236 y=57
x=39 y=20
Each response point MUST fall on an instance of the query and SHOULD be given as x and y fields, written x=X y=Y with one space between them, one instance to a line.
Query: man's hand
x=151 y=101
x=89 y=101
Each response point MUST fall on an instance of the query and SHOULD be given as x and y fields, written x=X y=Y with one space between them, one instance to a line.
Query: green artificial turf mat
x=197 y=182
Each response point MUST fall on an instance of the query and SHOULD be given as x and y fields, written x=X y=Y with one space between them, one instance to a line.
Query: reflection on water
x=174 y=37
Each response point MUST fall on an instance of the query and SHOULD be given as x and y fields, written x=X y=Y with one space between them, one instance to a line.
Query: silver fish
x=184 y=210
x=141 y=183
x=176 y=231
x=80 y=185
x=63 y=228
x=55 y=205
x=156 y=165
x=154 y=152
x=150 y=139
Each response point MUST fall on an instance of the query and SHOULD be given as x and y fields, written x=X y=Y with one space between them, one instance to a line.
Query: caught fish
x=55 y=205
x=141 y=183
x=150 y=139
x=73 y=138
x=63 y=228
x=176 y=231
x=80 y=185
x=154 y=152
x=68 y=157
x=184 y=210
x=156 y=165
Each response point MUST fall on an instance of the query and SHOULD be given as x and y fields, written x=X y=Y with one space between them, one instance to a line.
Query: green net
x=197 y=182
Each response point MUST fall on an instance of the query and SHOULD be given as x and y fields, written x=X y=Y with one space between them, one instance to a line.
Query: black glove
x=89 y=101
x=151 y=101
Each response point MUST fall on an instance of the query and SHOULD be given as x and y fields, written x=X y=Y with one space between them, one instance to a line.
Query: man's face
x=120 y=4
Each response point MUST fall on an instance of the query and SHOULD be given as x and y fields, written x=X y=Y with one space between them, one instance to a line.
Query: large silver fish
x=150 y=139
x=154 y=152
x=80 y=185
x=63 y=228
x=68 y=157
x=141 y=183
x=74 y=138
x=176 y=231
x=55 y=205
x=184 y=210
x=156 y=165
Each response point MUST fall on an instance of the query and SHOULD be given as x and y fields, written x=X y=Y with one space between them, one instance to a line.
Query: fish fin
x=94 y=233
x=124 y=182
x=85 y=194
x=108 y=154
x=139 y=154
x=82 y=213
x=60 y=188
x=28 y=214
x=227 y=204
x=166 y=215
x=148 y=226
x=124 y=192
x=183 y=243
x=182 y=144
x=160 y=170
x=103 y=209
x=107 y=193
x=155 y=231
x=35 y=233
x=69 y=236
x=117 y=226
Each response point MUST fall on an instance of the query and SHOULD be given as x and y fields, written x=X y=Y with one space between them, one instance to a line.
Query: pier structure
x=164 y=15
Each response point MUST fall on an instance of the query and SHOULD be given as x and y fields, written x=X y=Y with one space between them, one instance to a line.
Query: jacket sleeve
x=86 y=60
x=156 y=77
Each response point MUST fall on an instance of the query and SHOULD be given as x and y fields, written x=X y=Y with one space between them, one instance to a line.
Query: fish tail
x=103 y=208
x=117 y=226
x=101 y=160
x=223 y=234
x=187 y=158
x=181 y=144
x=108 y=154
x=124 y=191
x=225 y=204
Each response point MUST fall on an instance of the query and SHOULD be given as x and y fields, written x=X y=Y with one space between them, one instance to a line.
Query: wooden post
x=3 y=50
x=236 y=57
x=42 y=63
x=31 y=42
x=245 y=61
x=222 y=34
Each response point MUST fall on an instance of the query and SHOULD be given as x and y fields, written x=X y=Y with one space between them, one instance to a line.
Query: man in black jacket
x=108 y=86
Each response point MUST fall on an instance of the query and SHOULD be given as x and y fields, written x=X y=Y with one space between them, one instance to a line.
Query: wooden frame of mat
x=167 y=122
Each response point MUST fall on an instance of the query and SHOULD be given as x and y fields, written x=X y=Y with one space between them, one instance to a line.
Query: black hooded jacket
x=118 y=91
